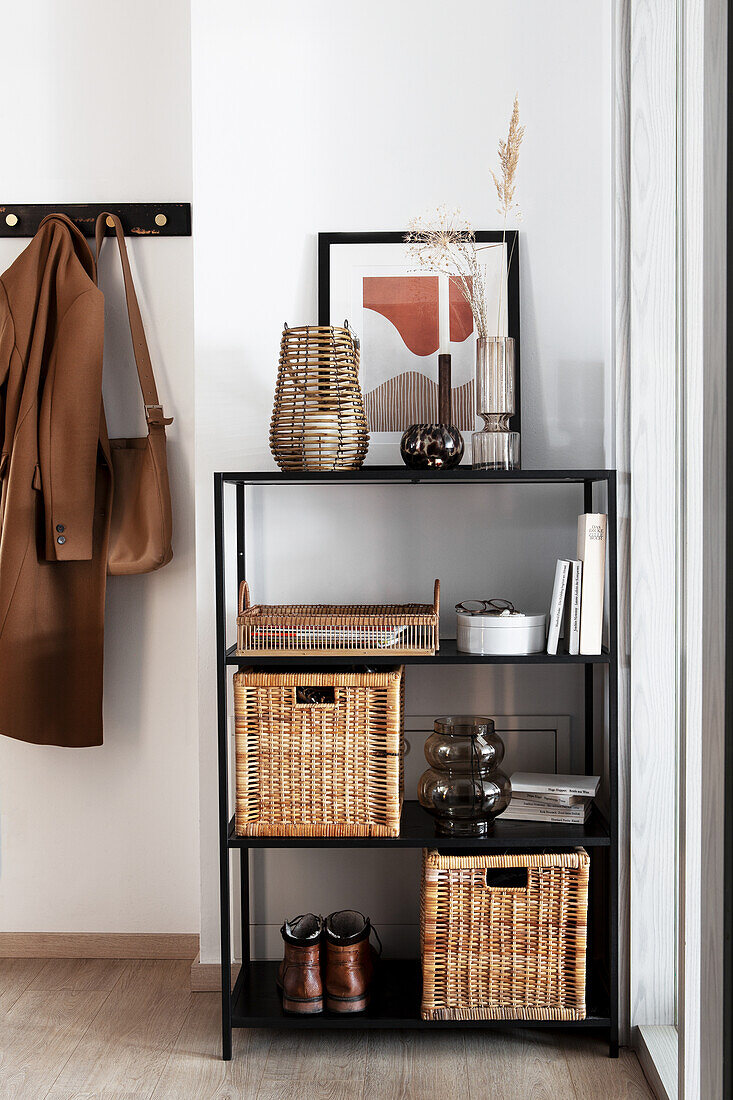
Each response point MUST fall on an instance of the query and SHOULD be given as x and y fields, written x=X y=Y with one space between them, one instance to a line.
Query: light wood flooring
x=82 y=1029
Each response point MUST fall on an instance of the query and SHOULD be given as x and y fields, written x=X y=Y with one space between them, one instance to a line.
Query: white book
x=518 y=801
x=572 y=632
x=586 y=786
x=561 y=813
x=592 y=553
x=517 y=806
x=547 y=802
x=552 y=799
x=548 y=816
x=557 y=603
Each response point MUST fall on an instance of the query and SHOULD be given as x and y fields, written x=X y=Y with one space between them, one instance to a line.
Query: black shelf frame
x=395 y=1004
x=417 y=830
x=447 y=654
x=252 y=1001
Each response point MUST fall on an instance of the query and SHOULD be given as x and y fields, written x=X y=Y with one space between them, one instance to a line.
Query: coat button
x=61 y=540
x=60 y=527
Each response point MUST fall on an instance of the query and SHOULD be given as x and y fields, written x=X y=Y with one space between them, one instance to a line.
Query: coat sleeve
x=68 y=428
x=7 y=344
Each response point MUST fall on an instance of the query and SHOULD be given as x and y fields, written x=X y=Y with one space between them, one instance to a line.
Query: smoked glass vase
x=495 y=447
x=435 y=446
x=464 y=788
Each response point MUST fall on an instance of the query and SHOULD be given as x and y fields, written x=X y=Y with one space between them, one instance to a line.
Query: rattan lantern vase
x=318 y=420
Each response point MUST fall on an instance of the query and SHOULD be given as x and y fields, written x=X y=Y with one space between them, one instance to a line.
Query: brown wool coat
x=56 y=492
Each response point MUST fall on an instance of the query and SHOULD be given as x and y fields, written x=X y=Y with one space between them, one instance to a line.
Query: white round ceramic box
x=507 y=635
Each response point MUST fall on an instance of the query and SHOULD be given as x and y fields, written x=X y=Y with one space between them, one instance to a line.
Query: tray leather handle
x=243 y=597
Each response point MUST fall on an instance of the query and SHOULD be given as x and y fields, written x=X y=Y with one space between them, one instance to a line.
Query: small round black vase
x=426 y=445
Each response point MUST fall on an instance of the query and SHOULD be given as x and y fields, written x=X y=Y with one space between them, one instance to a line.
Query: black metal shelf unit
x=253 y=1001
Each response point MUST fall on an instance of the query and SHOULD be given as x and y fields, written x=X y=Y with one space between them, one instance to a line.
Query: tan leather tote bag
x=141 y=521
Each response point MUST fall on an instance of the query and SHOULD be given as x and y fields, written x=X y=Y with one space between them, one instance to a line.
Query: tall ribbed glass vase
x=495 y=447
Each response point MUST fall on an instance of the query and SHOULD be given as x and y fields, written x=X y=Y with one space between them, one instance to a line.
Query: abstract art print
x=404 y=317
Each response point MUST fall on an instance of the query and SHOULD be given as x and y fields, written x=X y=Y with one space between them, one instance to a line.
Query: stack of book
x=559 y=799
x=576 y=609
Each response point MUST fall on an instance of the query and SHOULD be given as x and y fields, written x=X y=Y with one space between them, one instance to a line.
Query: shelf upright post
x=243 y=852
x=613 y=931
x=223 y=754
x=241 y=535
x=589 y=669
x=589 y=747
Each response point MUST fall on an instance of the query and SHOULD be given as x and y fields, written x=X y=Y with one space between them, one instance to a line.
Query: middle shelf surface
x=448 y=654
x=417 y=830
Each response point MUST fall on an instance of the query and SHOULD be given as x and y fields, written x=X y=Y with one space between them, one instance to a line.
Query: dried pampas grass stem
x=446 y=243
x=508 y=150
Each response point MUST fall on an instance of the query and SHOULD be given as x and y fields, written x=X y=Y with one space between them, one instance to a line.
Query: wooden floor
x=82 y=1029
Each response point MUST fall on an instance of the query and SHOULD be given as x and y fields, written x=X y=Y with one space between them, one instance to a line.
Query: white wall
x=306 y=117
x=345 y=116
x=106 y=839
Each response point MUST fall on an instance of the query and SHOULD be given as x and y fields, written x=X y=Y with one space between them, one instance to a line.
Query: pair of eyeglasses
x=485 y=607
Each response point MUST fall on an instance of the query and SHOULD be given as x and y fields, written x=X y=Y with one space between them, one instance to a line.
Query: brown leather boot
x=299 y=975
x=349 y=961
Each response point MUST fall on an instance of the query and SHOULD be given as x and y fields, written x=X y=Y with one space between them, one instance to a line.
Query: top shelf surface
x=382 y=475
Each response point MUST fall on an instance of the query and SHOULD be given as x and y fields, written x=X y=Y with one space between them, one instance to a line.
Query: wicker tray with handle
x=504 y=952
x=337 y=630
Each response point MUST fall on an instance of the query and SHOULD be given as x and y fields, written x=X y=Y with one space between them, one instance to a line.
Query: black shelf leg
x=244 y=910
x=613 y=849
x=589 y=680
x=613 y=884
x=243 y=852
x=223 y=753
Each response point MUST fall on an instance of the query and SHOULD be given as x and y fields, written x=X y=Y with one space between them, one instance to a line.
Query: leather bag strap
x=153 y=408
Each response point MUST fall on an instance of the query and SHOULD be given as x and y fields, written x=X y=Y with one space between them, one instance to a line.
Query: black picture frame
x=485 y=236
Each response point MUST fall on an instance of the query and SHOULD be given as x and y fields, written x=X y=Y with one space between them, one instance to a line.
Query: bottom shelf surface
x=395 y=1003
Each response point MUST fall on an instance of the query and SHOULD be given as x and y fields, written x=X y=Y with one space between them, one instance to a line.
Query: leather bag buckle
x=154 y=416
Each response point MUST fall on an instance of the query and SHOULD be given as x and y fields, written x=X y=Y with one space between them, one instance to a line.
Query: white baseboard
x=656 y=1049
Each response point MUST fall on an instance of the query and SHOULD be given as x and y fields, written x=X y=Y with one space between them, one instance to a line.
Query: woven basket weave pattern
x=337 y=629
x=504 y=952
x=318 y=419
x=329 y=769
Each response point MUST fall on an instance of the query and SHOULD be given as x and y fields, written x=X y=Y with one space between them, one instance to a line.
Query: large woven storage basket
x=503 y=952
x=333 y=630
x=330 y=768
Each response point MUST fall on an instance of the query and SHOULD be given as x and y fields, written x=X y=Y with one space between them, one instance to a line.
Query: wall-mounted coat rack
x=139 y=219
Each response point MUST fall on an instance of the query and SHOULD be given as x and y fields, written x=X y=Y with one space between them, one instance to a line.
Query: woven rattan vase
x=318 y=420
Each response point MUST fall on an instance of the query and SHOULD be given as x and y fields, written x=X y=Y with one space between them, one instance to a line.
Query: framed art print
x=401 y=315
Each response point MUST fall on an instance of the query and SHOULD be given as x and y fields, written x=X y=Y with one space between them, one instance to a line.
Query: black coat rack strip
x=139 y=219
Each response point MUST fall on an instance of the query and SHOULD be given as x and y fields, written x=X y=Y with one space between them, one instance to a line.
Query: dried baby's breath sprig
x=446 y=243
